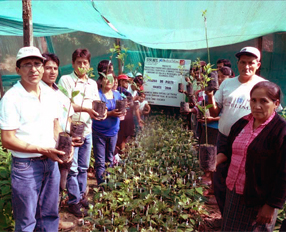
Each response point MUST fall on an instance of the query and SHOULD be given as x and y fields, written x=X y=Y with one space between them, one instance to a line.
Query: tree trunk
x=27 y=23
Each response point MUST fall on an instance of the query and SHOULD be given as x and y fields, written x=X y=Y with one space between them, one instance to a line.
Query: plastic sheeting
x=54 y=18
x=180 y=25
x=156 y=24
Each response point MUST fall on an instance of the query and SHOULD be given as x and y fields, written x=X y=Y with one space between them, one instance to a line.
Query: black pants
x=219 y=177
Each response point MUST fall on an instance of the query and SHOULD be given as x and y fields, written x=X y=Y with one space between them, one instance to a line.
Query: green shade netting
x=54 y=18
x=156 y=24
x=180 y=25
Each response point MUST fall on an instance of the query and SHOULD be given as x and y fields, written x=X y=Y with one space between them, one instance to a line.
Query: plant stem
x=82 y=103
x=68 y=117
x=205 y=20
x=206 y=124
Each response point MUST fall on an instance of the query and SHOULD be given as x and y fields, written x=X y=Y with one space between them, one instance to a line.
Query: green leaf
x=5 y=182
x=184 y=216
x=64 y=91
x=4 y=172
x=103 y=74
x=82 y=70
x=75 y=93
x=5 y=190
x=199 y=190
x=209 y=106
x=201 y=108
x=110 y=78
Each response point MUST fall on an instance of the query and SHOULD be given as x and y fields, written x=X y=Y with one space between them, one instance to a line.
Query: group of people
x=33 y=113
x=250 y=179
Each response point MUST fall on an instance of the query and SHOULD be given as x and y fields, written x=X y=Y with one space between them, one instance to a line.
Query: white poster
x=162 y=77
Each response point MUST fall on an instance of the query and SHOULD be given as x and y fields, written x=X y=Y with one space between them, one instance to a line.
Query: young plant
x=207 y=69
x=73 y=95
x=283 y=113
x=206 y=33
x=90 y=74
x=156 y=187
x=122 y=54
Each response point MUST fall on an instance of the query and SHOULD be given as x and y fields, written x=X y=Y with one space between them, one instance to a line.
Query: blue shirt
x=110 y=125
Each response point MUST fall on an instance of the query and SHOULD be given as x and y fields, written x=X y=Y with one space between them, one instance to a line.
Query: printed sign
x=161 y=87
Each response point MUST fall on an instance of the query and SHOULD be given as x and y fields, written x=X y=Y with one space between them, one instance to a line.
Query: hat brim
x=40 y=57
x=239 y=54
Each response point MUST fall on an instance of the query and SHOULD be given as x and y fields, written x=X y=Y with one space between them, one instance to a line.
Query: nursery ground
x=209 y=220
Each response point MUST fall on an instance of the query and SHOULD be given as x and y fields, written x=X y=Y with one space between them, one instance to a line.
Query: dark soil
x=81 y=225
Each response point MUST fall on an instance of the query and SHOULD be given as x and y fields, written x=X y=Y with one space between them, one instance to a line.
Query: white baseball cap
x=130 y=74
x=29 y=52
x=249 y=50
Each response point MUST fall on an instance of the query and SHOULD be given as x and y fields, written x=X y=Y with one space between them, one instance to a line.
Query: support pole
x=27 y=23
x=119 y=61
x=259 y=41
x=1 y=87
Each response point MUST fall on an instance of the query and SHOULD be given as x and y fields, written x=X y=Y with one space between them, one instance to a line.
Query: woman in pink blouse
x=256 y=180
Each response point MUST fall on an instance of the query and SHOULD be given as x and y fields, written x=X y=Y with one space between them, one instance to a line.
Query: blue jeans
x=35 y=193
x=103 y=149
x=77 y=177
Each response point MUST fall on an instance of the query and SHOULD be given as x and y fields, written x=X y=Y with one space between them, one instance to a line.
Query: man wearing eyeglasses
x=29 y=114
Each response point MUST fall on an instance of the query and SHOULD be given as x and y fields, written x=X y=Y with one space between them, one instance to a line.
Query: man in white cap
x=231 y=101
x=29 y=114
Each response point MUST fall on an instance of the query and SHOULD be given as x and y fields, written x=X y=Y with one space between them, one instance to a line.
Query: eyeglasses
x=30 y=66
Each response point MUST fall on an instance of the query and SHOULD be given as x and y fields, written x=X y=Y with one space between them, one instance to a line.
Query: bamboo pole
x=27 y=23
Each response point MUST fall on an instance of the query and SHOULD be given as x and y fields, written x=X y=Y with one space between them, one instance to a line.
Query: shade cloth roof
x=156 y=24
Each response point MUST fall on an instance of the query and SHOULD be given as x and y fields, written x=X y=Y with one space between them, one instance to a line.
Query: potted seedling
x=190 y=91
x=98 y=105
x=184 y=106
x=181 y=85
x=64 y=143
x=77 y=127
x=64 y=139
x=207 y=152
x=120 y=105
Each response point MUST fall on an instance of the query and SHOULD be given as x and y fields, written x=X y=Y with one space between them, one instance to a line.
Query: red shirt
x=236 y=172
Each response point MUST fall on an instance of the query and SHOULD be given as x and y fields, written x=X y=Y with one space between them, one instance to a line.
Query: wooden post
x=27 y=23
x=260 y=41
x=119 y=61
x=1 y=87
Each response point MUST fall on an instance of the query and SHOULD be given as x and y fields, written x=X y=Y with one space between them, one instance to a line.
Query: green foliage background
x=6 y=218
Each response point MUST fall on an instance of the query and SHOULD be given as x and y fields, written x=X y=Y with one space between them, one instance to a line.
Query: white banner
x=165 y=75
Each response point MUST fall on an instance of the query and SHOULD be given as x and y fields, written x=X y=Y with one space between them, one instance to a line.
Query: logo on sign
x=182 y=62
x=152 y=61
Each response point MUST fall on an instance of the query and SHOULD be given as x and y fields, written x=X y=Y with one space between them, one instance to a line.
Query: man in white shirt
x=78 y=80
x=29 y=128
x=51 y=71
x=231 y=101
